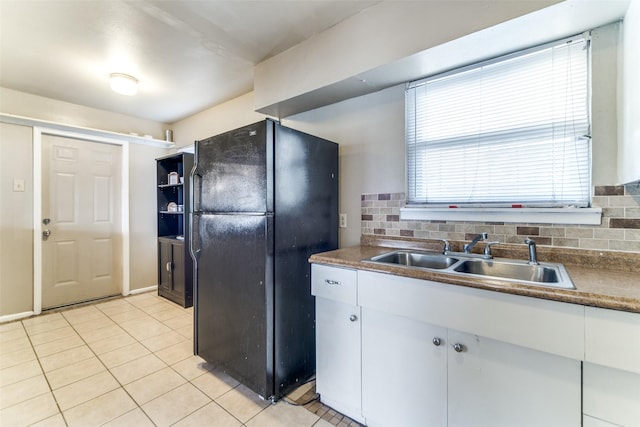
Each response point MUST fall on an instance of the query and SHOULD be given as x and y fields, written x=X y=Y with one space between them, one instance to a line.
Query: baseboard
x=15 y=316
x=143 y=290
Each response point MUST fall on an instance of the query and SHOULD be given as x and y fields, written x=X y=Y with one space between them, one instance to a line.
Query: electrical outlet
x=343 y=220
x=18 y=185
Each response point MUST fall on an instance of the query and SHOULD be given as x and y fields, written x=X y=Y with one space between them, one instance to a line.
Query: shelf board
x=171 y=212
x=106 y=135
x=180 y=184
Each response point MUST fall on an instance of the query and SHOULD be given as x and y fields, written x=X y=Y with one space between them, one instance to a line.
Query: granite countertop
x=597 y=287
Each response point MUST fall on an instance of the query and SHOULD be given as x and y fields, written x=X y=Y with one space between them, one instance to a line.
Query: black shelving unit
x=175 y=266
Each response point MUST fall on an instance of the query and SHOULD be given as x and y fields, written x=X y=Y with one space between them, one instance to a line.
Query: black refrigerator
x=265 y=197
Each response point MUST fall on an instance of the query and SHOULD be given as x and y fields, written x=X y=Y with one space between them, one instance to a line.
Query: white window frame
x=500 y=212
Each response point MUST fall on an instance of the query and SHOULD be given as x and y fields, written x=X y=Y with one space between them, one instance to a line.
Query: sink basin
x=415 y=259
x=456 y=264
x=543 y=274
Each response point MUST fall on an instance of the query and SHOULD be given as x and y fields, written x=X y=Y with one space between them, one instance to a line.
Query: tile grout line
x=45 y=378
x=73 y=323
x=107 y=368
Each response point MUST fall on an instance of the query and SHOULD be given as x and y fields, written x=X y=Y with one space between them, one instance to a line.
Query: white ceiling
x=188 y=55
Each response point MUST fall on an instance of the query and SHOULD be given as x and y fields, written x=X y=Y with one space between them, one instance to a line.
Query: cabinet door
x=166 y=265
x=178 y=271
x=492 y=383
x=338 y=372
x=404 y=374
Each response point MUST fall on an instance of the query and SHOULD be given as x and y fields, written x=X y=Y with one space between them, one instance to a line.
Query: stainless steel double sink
x=462 y=264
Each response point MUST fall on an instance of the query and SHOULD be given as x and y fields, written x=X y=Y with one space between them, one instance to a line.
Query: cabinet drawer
x=612 y=338
x=337 y=284
x=548 y=326
x=611 y=394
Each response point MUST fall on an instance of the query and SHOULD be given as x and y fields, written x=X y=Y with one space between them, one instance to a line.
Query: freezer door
x=234 y=297
x=234 y=171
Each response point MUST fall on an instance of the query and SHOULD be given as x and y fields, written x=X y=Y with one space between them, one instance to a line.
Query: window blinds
x=510 y=131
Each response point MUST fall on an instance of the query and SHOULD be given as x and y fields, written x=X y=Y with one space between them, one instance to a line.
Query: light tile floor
x=128 y=362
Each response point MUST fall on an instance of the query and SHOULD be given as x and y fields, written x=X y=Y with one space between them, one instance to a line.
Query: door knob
x=436 y=341
x=353 y=317
x=46 y=233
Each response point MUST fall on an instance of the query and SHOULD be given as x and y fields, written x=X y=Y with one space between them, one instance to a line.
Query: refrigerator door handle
x=196 y=190
x=194 y=246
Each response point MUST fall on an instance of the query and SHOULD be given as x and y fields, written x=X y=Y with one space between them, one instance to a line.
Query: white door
x=81 y=220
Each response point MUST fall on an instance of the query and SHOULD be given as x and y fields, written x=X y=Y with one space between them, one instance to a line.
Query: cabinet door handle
x=458 y=347
x=331 y=282
x=168 y=266
x=353 y=317
x=436 y=341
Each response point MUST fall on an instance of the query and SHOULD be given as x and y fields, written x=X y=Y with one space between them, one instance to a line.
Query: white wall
x=370 y=131
x=143 y=245
x=39 y=107
x=629 y=153
x=606 y=62
x=16 y=219
x=16 y=215
x=228 y=116
x=377 y=36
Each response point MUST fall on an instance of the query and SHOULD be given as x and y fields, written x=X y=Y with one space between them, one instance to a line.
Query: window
x=510 y=131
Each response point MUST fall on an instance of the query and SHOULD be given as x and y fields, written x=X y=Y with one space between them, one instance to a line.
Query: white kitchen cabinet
x=338 y=340
x=492 y=383
x=404 y=374
x=409 y=381
x=521 y=361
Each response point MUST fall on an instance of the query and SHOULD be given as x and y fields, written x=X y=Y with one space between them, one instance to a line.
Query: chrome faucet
x=467 y=247
x=533 y=254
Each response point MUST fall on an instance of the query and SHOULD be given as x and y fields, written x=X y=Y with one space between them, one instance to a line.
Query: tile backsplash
x=619 y=230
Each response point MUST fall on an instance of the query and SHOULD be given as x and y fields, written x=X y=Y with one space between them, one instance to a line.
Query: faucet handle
x=487 y=249
x=447 y=246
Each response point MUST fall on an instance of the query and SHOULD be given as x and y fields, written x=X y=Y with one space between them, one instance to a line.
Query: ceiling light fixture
x=124 y=84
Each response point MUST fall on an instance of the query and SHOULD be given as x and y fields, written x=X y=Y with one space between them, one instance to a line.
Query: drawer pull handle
x=458 y=347
x=332 y=282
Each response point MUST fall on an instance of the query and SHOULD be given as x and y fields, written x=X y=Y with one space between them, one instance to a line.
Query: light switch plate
x=18 y=185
